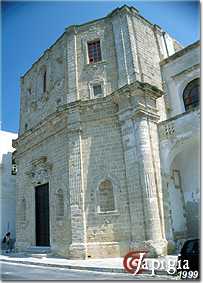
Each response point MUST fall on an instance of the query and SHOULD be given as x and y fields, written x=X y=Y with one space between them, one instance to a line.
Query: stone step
x=38 y=252
x=37 y=255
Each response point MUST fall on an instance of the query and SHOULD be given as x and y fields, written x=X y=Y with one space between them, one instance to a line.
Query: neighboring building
x=89 y=180
x=180 y=143
x=8 y=184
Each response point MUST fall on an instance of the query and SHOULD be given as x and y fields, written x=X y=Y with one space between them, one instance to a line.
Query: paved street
x=15 y=271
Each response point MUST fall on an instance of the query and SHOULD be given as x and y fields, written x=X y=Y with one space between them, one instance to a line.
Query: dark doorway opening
x=42 y=215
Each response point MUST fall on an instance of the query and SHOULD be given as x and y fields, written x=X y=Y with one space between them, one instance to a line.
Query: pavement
x=114 y=265
x=24 y=272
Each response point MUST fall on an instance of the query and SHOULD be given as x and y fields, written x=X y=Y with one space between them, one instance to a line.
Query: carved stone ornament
x=41 y=171
x=59 y=85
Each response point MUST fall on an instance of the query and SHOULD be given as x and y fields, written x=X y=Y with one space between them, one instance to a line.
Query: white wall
x=184 y=200
x=8 y=184
x=189 y=165
x=177 y=72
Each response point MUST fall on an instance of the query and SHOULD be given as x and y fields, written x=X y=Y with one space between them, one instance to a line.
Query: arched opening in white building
x=184 y=191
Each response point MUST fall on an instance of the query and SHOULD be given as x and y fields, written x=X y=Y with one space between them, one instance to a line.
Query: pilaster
x=72 y=78
x=125 y=42
x=132 y=174
x=78 y=225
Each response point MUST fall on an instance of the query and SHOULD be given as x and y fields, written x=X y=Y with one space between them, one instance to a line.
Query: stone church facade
x=90 y=181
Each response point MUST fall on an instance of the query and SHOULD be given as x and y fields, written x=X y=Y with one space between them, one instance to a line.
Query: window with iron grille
x=14 y=167
x=94 y=51
x=191 y=95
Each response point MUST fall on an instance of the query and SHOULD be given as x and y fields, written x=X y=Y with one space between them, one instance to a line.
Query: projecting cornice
x=180 y=53
x=138 y=97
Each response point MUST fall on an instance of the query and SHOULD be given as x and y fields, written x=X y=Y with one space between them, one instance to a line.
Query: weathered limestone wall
x=131 y=50
x=36 y=106
x=108 y=233
x=140 y=46
x=42 y=158
x=76 y=149
x=104 y=72
x=148 y=52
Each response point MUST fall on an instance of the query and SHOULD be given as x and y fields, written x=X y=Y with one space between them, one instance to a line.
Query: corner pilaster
x=140 y=141
x=72 y=78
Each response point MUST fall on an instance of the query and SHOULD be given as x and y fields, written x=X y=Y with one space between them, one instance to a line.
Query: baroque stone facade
x=89 y=132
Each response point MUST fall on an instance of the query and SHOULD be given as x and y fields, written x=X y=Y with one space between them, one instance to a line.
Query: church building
x=108 y=146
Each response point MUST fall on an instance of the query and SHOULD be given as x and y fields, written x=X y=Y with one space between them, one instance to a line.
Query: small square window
x=94 y=51
x=97 y=90
x=29 y=91
x=176 y=178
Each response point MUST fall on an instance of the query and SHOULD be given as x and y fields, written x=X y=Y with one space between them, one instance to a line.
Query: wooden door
x=42 y=215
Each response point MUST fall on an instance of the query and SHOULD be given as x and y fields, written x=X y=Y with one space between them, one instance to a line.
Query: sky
x=29 y=28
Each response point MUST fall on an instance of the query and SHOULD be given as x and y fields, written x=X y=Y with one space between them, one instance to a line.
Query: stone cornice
x=187 y=71
x=196 y=111
x=137 y=85
x=182 y=126
x=70 y=116
x=180 y=53
x=141 y=111
x=53 y=121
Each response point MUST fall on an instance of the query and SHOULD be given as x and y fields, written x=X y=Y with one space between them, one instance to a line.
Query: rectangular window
x=94 y=51
x=29 y=91
x=45 y=82
x=176 y=178
x=97 y=90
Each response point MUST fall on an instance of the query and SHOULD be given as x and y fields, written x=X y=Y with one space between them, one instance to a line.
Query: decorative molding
x=40 y=171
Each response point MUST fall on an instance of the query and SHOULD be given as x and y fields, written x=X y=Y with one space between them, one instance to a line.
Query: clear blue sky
x=28 y=28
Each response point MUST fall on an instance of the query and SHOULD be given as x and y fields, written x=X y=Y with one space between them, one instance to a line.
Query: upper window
x=106 y=196
x=29 y=91
x=191 y=95
x=94 y=51
x=45 y=81
x=14 y=167
x=97 y=90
